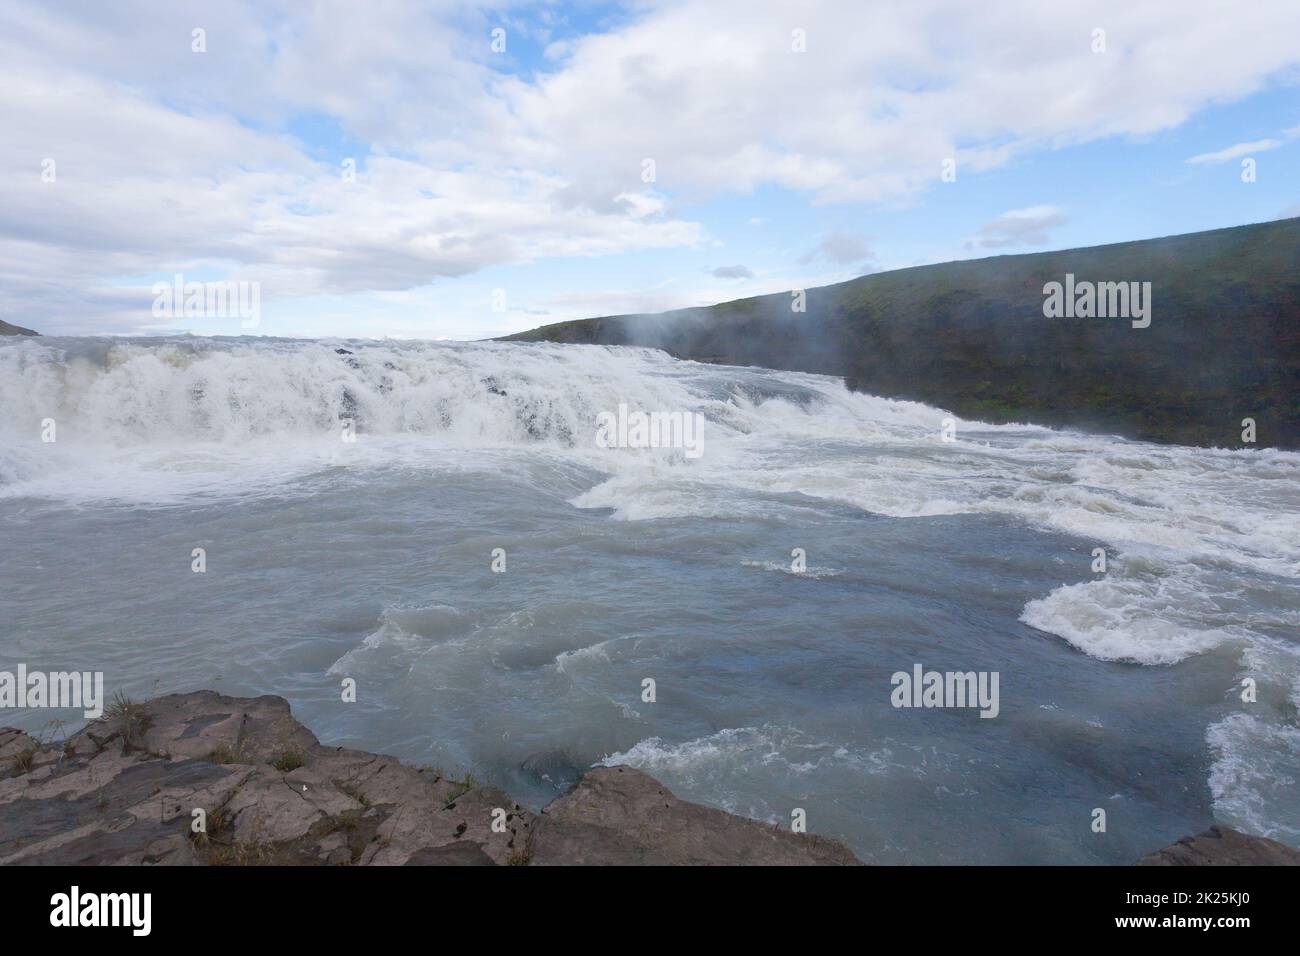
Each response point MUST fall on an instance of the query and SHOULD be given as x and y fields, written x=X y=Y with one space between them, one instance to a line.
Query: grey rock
x=124 y=790
x=621 y=816
x=1223 y=846
x=452 y=854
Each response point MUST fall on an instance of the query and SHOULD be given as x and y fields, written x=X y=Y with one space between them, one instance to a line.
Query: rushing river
x=377 y=559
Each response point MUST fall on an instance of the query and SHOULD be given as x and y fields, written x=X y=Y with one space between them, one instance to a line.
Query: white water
x=1203 y=545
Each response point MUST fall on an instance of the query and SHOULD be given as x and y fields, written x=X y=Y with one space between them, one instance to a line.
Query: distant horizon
x=704 y=305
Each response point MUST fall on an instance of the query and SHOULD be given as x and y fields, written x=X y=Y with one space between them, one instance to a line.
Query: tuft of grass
x=353 y=792
x=289 y=761
x=463 y=786
x=131 y=718
x=520 y=855
x=23 y=762
x=224 y=754
x=241 y=854
x=216 y=823
x=346 y=822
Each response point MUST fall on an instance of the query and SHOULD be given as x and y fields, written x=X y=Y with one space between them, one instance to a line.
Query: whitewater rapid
x=1202 y=545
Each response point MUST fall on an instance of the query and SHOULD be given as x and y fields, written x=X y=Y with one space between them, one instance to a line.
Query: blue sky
x=515 y=178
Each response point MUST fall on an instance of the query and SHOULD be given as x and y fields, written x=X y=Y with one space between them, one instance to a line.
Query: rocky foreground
x=1223 y=846
x=125 y=790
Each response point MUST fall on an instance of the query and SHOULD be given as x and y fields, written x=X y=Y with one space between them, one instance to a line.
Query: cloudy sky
x=462 y=170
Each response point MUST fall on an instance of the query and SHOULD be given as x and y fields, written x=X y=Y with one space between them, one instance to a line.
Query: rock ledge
x=125 y=790
x=1223 y=846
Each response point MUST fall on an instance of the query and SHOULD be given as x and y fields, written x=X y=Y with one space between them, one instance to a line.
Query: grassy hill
x=971 y=337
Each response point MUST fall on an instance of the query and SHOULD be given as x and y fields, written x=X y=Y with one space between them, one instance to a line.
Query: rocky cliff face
x=125 y=790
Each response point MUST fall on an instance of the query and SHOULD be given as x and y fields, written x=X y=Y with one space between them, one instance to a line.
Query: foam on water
x=812 y=573
x=402 y=632
x=708 y=762
x=1203 y=544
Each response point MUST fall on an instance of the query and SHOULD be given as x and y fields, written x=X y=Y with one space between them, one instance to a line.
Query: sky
x=463 y=170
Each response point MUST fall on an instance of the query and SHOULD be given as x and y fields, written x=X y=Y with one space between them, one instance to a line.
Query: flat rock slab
x=621 y=816
x=1223 y=846
x=126 y=788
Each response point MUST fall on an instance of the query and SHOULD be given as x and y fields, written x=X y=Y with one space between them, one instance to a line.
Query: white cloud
x=169 y=159
x=1245 y=149
x=1241 y=149
x=1018 y=227
x=841 y=248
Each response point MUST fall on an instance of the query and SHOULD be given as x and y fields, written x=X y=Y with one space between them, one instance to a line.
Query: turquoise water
x=373 y=560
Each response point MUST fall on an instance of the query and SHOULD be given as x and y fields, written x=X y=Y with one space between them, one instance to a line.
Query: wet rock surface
x=1223 y=846
x=125 y=790
x=621 y=816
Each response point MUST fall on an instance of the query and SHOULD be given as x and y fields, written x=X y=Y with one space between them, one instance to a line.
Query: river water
x=502 y=588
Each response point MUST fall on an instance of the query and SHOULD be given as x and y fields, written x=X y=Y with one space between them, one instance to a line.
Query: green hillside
x=1223 y=343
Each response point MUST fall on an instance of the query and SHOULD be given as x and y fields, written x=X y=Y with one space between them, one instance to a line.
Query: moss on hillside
x=971 y=337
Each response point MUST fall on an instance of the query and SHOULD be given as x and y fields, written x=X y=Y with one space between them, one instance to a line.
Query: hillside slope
x=7 y=329
x=1223 y=343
